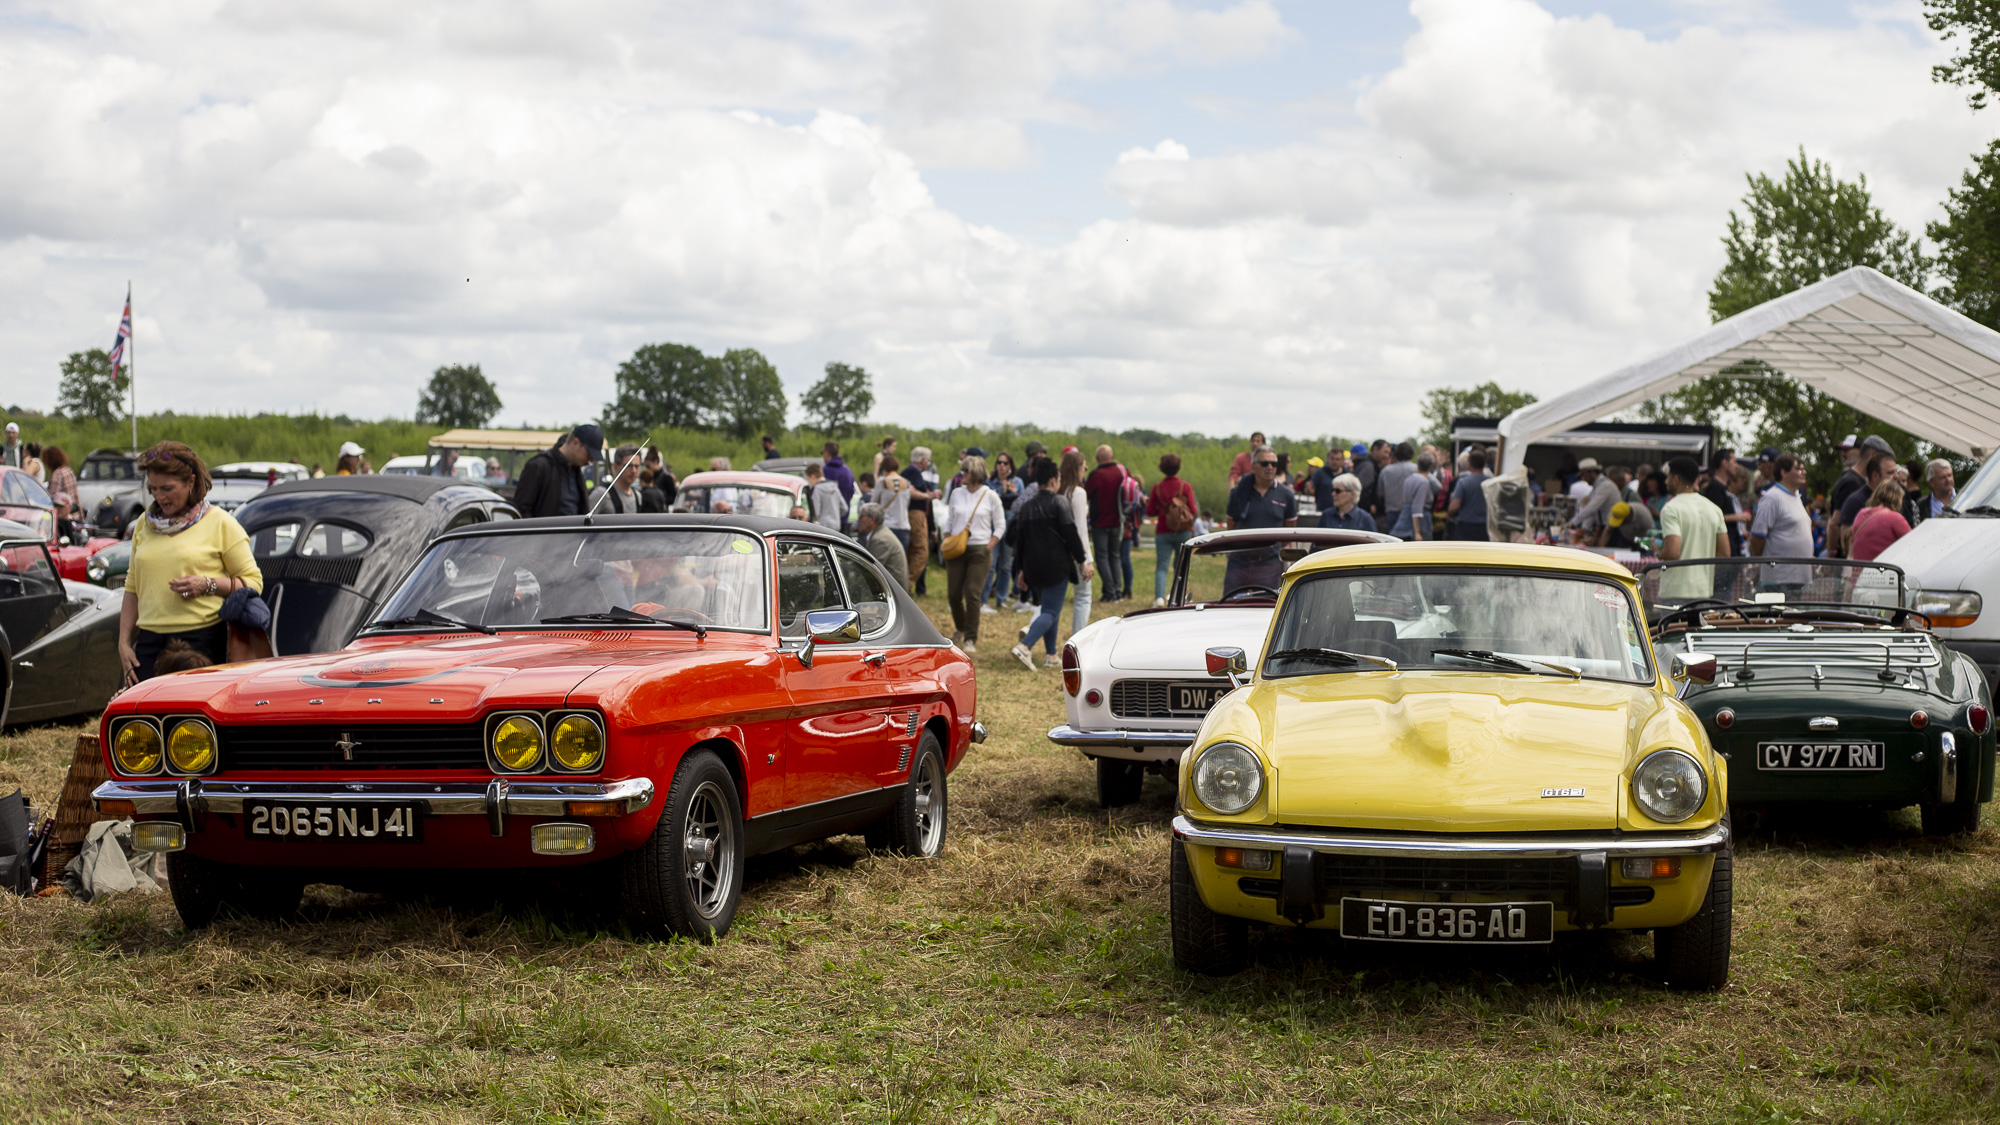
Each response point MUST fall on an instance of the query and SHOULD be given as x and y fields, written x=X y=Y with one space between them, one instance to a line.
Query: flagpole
x=131 y=374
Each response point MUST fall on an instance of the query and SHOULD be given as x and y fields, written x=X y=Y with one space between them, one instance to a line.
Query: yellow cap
x=1620 y=512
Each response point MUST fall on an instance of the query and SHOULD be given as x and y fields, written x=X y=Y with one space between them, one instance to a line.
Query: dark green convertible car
x=1821 y=686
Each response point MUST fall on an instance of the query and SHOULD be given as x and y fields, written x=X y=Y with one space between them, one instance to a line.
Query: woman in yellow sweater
x=187 y=557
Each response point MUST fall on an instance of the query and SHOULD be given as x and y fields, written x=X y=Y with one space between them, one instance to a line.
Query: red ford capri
x=670 y=694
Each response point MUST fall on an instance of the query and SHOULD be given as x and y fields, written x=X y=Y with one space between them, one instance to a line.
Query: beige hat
x=1587 y=465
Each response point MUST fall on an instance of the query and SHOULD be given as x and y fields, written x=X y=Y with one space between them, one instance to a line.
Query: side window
x=273 y=540
x=25 y=571
x=332 y=540
x=466 y=518
x=805 y=582
x=866 y=592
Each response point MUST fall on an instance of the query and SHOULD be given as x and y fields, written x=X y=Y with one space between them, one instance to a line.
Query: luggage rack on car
x=1732 y=652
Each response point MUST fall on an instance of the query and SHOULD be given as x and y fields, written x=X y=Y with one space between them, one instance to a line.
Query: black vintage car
x=1827 y=689
x=58 y=639
x=331 y=548
x=110 y=490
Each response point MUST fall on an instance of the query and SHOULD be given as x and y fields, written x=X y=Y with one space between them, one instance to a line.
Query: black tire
x=1119 y=782
x=916 y=826
x=1961 y=816
x=1205 y=942
x=203 y=888
x=1695 y=954
x=687 y=878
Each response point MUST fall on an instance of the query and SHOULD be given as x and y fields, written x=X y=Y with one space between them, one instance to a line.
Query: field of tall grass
x=316 y=438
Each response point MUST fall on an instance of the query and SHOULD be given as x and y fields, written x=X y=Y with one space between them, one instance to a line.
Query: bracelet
x=211 y=586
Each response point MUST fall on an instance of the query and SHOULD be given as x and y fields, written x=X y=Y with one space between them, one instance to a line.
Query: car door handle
x=876 y=658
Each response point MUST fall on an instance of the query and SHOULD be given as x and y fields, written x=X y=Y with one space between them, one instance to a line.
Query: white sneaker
x=1026 y=658
x=1023 y=607
x=1158 y=602
x=984 y=608
x=969 y=649
x=1052 y=661
x=1022 y=635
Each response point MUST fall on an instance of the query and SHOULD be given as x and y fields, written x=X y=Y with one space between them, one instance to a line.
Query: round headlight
x=95 y=569
x=517 y=743
x=1228 y=778
x=576 y=743
x=1669 y=786
x=137 y=747
x=190 y=746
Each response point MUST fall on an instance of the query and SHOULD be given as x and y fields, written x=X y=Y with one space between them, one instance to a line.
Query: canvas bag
x=1178 y=516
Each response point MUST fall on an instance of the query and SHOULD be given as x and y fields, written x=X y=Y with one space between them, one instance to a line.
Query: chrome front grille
x=398 y=746
x=1141 y=699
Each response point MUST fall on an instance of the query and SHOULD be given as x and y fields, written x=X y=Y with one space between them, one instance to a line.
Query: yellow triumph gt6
x=1454 y=744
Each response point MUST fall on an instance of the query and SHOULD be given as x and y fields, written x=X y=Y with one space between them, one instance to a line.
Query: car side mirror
x=1699 y=667
x=828 y=627
x=1230 y=662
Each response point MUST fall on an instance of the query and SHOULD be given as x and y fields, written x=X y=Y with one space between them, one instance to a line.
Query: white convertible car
x=1136 y=687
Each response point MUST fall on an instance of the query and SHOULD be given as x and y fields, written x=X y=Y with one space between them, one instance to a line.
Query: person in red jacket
x=1173 y=508
x=1104 y=488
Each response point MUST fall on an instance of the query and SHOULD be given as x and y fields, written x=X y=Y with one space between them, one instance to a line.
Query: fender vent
x=903 y=762
x=912 y=732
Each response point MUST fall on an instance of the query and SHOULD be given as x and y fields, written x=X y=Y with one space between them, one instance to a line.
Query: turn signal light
x=594 y=808
x=115 y=806
x=1651 y=867
x=1919 y=720
x=1976 y=718
x=1725 y=718
x=1246 y=859
x=1072 y=673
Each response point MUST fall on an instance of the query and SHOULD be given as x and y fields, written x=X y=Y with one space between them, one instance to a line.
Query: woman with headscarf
x=188 y=556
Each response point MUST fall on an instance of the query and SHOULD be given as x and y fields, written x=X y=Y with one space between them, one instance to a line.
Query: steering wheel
x=1246 y=592
x=1689 y=607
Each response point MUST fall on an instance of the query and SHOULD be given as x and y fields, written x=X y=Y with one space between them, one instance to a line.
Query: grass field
x=1024 y=976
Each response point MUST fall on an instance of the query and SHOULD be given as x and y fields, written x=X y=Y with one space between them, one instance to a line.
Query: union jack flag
x=124 y=337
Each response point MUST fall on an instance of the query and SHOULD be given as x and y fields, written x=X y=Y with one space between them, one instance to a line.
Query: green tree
x=459 y=396
x=749 y=398
x=1804 y=228
x=840 y=400
x=1968 y=241
x=664 y=385
x=1487 y=400
x=1978 y=66
x=89 y=388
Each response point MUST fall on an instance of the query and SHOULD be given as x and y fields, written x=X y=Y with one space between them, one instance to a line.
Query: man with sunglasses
x=1259 y=500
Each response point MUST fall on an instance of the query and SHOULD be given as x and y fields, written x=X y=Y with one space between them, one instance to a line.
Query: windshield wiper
x=432 y=617
x=1976 y=510
x=620 y=613
x=1333 y=656
x=1524 y=663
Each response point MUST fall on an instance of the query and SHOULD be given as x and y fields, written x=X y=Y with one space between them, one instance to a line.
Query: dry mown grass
x=1024 y=976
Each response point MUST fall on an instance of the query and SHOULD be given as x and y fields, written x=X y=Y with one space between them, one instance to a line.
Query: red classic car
x=669 y=693
x=24 y=501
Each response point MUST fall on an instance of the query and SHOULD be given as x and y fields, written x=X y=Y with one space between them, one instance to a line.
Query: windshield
x=743 y=500
x=120 y=469
x=1983 y=490
x=717 y=579
x=1864 y=587
x=1491 y=620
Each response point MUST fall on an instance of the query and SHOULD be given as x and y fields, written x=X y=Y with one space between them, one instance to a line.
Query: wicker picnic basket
x=74 y=815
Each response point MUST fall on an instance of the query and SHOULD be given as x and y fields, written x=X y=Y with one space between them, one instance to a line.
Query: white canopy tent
x=1860 y=337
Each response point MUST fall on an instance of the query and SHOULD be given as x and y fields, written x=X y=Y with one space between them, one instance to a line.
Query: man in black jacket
x=1047 y=550
x=552 y=481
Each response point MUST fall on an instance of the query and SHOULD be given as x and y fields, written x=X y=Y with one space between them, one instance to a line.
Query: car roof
x=713 y=477
x=1239 y=538
x=692 y=521
x=1421 y=554
x=411 y=488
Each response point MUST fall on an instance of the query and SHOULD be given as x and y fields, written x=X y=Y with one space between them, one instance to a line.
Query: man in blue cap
x=552 y=481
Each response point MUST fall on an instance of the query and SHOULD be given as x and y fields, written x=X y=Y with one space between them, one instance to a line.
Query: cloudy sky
x=1181 y=214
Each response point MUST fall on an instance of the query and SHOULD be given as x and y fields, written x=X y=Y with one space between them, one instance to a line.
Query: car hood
x=1455 y=752
x=1175 y=640
x=1942 y=554
x=435 y=678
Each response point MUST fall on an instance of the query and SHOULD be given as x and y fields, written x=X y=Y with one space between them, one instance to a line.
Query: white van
x=1953 y=563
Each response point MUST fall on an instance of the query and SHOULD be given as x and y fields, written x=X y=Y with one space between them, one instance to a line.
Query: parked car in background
x=1827 y=690
x=471 y=470
x=107 y=568
x=1136 y=687
x=58 y=639
x=331 y=548
x=1454 y=744
x=239 y=482
x=111 y=491
x=666 y=694
x=787 y=466
x=25 y=503
x=1952 y=563
x=746 y=493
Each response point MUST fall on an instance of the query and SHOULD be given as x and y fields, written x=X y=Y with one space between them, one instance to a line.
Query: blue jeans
x=1050 y=600
x=1104 y=548
x=1166 y=544
x=902 y=535
x=1125 y=565
x=1001 y=578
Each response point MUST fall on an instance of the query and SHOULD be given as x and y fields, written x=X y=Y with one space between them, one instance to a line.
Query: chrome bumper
x=1524 y=846
x=1066 y=735
x=188 y=797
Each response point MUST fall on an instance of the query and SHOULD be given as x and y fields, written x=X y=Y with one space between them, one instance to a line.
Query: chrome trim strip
x=1066 y=735
x=522 y=797
x=1525 y=846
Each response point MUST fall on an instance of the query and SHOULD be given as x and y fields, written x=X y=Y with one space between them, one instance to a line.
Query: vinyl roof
x=1859 y=337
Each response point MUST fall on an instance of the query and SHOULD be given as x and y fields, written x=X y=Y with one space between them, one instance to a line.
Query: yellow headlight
x=137 y=748
x=517 y=743
x=191 y=747
x=576 y=743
